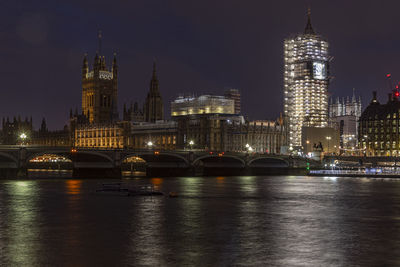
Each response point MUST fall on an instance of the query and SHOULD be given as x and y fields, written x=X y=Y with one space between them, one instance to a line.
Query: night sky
x=200 y=47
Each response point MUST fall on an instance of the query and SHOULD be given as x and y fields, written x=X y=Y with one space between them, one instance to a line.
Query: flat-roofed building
x=205 y=104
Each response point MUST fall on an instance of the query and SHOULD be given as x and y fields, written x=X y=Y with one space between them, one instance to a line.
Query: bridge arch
x=47 y=154
x=149 y=156
x=222 y=158
x=78 y=156
x=8 y=157
x=267 y=162
x=90 y=156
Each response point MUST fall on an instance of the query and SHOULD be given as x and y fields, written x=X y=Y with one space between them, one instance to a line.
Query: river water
x=215 y=221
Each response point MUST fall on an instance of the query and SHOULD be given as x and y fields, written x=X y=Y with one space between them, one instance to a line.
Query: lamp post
x=23 y=137
x=191 y=143
x=328 y=138
x=249 y=148
x=366 y=145
x=149 y=144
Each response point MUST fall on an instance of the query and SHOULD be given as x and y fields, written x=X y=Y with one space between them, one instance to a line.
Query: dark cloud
x=200 y=46
x=32 y=28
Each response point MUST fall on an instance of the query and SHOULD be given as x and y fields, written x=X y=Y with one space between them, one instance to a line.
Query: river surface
x=215 y=221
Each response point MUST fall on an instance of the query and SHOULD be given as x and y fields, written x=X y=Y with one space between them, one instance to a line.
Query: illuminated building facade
x=205 y=104
x=102 y=136
x=153 y=108
x=100 y=89
x=306 y=80
x=322 y=139
x=345 y=114
x=379 y=128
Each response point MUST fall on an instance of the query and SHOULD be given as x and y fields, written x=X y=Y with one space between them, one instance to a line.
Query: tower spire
x=309 y=29
x=99 y=35
x=85 y=66
x=154 y=69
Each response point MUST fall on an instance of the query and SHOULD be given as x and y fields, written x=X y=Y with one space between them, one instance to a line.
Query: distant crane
x=394 y=90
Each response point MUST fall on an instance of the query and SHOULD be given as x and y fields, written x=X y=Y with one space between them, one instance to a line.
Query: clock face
x=319 y=70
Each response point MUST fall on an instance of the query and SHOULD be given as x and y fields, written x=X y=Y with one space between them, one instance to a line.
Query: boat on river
x=120 y=189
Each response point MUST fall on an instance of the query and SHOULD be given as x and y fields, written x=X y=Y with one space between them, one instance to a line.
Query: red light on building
x=388 y=75
x=396 y=94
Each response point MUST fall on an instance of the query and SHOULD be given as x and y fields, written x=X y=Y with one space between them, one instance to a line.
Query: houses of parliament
x=99 y=124
x=205 y=122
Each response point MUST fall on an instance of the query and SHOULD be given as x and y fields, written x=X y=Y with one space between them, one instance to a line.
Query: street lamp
x=249 y=148
x=191 y=143
x=149 y=144
x=307 y=145
x=23 y=137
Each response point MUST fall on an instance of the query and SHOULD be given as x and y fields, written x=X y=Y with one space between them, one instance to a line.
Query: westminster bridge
x=16 y=161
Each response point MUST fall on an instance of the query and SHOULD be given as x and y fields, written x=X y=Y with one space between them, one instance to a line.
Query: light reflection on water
x=147 y=246
x=20 y=215
x=214 y=221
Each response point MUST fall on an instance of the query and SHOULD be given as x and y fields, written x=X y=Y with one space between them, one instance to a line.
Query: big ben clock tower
x=306 y=81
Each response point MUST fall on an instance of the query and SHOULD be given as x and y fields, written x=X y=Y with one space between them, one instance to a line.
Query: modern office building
x=306 y=80
x=205 y=104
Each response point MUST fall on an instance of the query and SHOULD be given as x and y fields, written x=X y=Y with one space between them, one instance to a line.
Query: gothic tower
x=100 y=89
x=153 y=107
x=306 y=80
